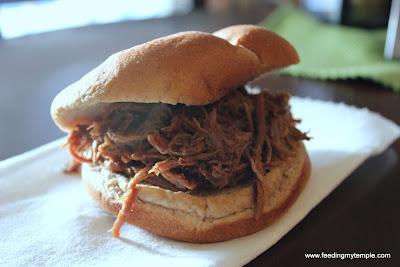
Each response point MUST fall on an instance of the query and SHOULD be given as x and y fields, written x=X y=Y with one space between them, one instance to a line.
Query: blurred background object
x=19 y=18
x=365 y=13
x=333 y=51
x=392 y=45
x=371 y=14
x=360 y=13
x=329 y=10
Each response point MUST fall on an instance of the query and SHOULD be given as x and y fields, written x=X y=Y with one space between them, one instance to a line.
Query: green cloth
x=334 y=52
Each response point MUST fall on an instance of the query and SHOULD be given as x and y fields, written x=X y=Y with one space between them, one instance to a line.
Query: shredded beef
x=192 y=148
x=73 y=167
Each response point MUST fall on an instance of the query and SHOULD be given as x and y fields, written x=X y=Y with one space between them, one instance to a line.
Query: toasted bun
x=192 y=68
x=219 y=216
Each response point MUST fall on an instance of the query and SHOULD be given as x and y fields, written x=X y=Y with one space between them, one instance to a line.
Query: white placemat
x=47 y=219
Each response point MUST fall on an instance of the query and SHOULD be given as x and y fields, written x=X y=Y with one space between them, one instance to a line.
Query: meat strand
x=158 y=142
x=256 y=164
x=130 y=199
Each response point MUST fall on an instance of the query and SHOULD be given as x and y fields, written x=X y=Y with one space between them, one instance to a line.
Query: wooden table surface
x=361 y=215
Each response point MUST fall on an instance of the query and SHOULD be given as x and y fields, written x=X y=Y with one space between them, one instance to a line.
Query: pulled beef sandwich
x=170 y=141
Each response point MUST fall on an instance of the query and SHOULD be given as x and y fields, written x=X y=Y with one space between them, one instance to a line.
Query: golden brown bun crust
x=216 y=217
x=193 y=68
x=272 y=50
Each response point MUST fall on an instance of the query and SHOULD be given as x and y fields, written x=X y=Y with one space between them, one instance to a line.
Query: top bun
x=192 y=68
x=272 y=50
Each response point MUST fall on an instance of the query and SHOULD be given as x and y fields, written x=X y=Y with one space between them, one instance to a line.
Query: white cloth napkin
x=47 y=219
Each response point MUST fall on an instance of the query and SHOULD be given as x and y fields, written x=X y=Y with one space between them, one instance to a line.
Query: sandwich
x=170 y=140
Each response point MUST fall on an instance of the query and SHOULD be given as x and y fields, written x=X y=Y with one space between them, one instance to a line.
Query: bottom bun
x=205 y=218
